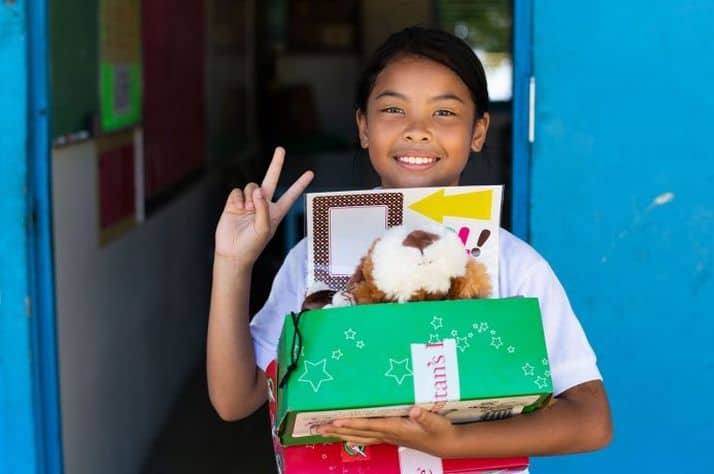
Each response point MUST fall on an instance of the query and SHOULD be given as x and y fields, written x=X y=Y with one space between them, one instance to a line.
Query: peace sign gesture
x=250 y=217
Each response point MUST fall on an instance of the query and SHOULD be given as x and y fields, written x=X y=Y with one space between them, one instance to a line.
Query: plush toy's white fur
x=404 y=270
x=408 y=264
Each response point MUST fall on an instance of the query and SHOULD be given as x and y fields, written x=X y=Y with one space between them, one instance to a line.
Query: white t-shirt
x=522 y=272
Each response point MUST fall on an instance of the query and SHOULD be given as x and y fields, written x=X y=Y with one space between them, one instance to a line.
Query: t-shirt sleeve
x=286 y=295
x=572 y=360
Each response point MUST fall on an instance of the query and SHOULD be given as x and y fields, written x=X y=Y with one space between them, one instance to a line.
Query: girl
x=422 y=108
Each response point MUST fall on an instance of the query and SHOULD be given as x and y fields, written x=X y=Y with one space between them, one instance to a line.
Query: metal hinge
x=531 y=109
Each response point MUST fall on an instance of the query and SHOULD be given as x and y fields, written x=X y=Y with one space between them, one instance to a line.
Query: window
x=487 y=27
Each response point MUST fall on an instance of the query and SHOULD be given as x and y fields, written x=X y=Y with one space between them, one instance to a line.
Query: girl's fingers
x=234 y=202
x=270 y=181
x=248 y=195
x=290 y=196
x=262 y=214
x=363 y=441
x=343 y=432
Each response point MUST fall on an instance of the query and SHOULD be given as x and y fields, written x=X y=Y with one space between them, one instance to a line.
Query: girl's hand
x=422 y=430
x=250 y=218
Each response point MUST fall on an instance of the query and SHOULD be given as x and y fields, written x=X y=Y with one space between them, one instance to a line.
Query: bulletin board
x=74 y=65
x=173 y=104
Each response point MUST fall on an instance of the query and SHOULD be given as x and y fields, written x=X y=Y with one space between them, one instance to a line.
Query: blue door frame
x=522 y=90
x=41 y=264
x=30 y=429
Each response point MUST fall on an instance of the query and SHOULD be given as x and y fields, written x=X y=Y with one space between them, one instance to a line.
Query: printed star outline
x=337 y=354
x=437 y=322
x=462 y=343
x=398 y=364
x=308 y=375
x=350 y=334
x=541 y=382
x=496 y=342
x=528 y=369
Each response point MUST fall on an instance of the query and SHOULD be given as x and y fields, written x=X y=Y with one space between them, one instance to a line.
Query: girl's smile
x=420 y=124
x=417 y=160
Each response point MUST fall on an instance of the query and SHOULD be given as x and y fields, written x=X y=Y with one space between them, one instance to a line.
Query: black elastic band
x=295 y=349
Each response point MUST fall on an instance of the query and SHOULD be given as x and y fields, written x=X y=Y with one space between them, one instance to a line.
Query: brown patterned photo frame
x=321 y=205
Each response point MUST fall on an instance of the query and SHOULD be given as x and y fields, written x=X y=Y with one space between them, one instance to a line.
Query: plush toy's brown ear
x=317 y=300
x=474 y=284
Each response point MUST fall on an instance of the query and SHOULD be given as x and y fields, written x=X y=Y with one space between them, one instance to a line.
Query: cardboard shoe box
x=469 y=360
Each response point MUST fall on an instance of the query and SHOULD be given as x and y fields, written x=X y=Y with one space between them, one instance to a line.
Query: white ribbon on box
x=436 y=373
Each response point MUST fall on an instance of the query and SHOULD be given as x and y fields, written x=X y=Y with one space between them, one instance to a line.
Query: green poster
x=120 y=63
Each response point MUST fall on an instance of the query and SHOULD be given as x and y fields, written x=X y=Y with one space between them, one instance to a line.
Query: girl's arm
x=235 y=385
x=578 y=420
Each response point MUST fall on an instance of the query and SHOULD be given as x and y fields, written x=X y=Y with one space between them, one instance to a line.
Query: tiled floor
x=196 y=441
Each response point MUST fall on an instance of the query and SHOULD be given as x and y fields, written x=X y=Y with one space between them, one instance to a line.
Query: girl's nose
x=417 y=132
x=417 y=135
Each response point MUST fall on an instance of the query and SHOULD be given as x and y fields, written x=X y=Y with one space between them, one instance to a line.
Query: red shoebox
x=337 y=458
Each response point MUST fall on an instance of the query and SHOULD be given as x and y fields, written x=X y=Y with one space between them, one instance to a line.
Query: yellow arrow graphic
x=472 y=205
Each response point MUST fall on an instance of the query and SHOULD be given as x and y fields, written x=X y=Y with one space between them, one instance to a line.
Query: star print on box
x=399 y=370
x=434 y=338
x=315 y=377
x=462 y=343
x=496 y=342
x=437 y=322
x=350 y=334
x=359 y=345
x=337 y=354
x=528 y=369
x=541 y=382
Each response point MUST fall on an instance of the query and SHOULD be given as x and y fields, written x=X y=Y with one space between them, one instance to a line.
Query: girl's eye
x=444 y=113
x=392 y=110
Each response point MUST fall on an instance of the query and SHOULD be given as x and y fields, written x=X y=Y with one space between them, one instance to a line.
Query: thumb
x=430 y=422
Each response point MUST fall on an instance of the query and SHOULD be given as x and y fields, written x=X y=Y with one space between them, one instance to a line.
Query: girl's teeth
x=415 y=160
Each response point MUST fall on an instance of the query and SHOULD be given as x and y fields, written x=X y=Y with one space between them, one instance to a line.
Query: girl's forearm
x=578 y=421
x=236 y=387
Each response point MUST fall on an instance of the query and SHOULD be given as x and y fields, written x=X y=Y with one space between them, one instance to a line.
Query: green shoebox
x=469 y=360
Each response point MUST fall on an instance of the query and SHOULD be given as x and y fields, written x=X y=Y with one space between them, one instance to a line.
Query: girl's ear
x=361 y=119
x=480 y=132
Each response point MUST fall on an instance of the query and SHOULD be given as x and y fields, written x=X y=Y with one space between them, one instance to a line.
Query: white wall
x=131 y=316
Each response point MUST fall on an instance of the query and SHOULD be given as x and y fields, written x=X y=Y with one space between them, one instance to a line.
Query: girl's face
x=419 y=127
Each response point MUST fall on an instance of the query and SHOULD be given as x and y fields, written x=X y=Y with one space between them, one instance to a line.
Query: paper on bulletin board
x=120 y=183
x=120 y=63
x=342 y=225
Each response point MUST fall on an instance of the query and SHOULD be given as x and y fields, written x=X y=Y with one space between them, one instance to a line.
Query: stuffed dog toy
x=429 y=263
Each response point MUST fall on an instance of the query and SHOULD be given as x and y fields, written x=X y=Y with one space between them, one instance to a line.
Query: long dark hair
x=437 y=45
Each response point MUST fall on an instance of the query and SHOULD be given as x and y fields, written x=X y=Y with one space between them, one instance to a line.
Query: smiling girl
x=421 y=109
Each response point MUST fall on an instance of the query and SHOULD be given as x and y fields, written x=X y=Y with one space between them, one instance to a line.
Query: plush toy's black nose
x=419 y=239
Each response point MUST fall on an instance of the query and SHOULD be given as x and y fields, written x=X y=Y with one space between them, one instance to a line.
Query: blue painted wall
x=622 y=204
x=17 y=442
